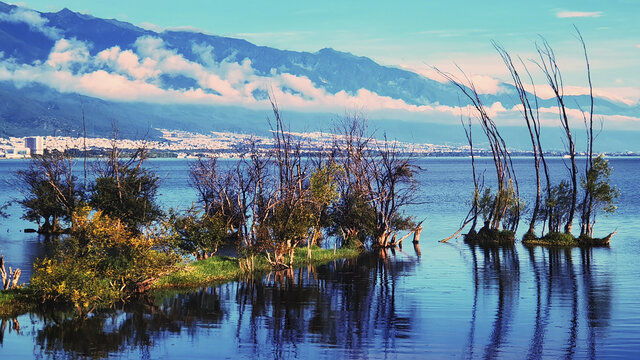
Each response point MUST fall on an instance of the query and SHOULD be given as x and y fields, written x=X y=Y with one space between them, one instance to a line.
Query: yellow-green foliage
x=99 y=264
x=324 y=185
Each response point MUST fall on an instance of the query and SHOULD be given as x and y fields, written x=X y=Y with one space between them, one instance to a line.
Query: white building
x=17 y=153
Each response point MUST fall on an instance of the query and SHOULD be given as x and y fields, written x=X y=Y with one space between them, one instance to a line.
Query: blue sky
x=412 y=34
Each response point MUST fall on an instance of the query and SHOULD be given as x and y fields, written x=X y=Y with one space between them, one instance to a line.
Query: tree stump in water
x=10 y=279
x=416 y=235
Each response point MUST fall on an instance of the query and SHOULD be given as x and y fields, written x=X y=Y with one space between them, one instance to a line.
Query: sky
x=412 y=34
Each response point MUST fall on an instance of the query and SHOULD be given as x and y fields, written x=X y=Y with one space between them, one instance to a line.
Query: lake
x=439 y=301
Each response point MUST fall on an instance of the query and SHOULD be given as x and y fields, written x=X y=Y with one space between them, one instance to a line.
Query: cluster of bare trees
x=557 y=209
x=271 y=202
x=378 y=182
x=502 y=208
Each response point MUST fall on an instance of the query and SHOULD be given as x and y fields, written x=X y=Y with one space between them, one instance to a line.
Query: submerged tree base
x=566 y=240
x=488 y=236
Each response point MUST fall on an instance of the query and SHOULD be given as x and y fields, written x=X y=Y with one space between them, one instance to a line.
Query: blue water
x=443 y=301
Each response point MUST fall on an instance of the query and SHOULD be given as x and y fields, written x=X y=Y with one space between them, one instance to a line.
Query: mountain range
x=56 y=66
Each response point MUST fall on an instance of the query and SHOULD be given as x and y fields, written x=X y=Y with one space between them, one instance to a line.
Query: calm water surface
x=439 y=301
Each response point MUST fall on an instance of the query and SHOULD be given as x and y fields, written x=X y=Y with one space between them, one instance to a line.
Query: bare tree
x=531 y=117
x=472 y=215
x=549 y=67
x=586 y=227
x=379 y=182
x=505 y=205
x=290 y=216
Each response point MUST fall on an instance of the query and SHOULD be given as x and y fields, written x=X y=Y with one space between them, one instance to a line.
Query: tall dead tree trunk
x=587 y=203
x=549 y=66
x=533 y=125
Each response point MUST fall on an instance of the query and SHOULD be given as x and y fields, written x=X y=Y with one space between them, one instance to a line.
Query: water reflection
x=495 y=269
x=561 y=284
x=358 y=308
x=9 y=325
x=346 y=304
x=139 y=326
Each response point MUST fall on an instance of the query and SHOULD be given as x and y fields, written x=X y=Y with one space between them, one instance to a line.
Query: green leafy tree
x=323 y=186
x=51 y=192
x=601 y=195
x=558 y=205
x=198 y=234
x=353 y=218
x=126 y=190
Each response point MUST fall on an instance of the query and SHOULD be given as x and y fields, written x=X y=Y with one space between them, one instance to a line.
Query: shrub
x=100 y=263
x=197 y=234
x=560 y=239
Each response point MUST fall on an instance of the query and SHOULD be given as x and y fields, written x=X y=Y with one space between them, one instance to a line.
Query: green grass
x=224 y=268
x=216 y=268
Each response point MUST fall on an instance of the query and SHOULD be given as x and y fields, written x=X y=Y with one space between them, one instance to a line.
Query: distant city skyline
x=413 y=34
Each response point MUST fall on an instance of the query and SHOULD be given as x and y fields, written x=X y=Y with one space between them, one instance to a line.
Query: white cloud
x=66 y=53
x=578 y=14
x=487 y=85
x=33 y=19
x=151 y=26
x=638 y=46
x=484 y=84
x=159 y=29
x=127 y=62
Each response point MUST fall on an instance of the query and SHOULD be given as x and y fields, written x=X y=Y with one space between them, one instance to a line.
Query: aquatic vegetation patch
x=488 y=236
x=566 y=240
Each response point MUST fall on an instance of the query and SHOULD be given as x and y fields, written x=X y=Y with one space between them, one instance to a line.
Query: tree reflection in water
x=346 y=304
x=558 y=285
x=139 y=326
x=495 y=267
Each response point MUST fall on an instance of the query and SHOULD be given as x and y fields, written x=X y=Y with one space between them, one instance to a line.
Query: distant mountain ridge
x=36 y=108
